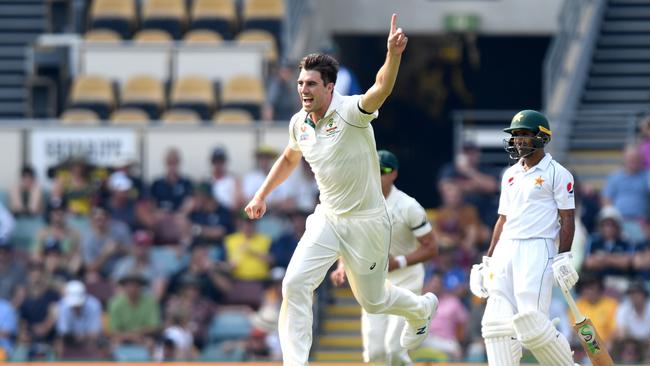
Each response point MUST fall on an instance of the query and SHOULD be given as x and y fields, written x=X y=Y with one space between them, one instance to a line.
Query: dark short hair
x=27 y=170
x=325 y=64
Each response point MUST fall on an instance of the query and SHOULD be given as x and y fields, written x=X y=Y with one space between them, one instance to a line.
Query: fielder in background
x=412 y=243
x=516 y=275
x=334 y=134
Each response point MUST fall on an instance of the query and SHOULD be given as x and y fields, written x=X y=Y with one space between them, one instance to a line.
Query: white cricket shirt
x=409 y=221
x=530 y=199
x=341 y=152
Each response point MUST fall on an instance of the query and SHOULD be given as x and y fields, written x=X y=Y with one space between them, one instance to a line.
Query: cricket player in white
x=412 y=243
x=334 y=135
x=536 y=204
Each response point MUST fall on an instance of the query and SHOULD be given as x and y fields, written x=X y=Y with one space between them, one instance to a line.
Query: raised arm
x=387 y=74
x=281 y=169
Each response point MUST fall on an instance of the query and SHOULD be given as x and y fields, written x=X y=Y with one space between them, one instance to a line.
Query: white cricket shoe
x=416 y=331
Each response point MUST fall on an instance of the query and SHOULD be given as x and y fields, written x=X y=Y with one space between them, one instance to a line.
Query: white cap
x=74 y=293
x=610 y=212
x=120 y=182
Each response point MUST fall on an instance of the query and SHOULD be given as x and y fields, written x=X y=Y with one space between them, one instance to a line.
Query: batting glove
x=563 y=271
x=477 y=278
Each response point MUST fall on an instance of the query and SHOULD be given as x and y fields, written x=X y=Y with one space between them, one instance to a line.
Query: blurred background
x=134 y=131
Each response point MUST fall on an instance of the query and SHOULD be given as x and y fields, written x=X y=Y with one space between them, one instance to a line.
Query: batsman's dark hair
x=323 y=63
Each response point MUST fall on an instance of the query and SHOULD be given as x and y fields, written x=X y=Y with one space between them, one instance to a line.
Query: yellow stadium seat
x=129 y=116
x=246 y=92
x=216 y=15
x=79 y=117
x=264 y=14
x=195 y=93
x=169 y=15
x=102 y=36
x=202 y=36
x=93 y=92
x=144 y=92
x=152 y=36
x=181 y=117
x=232 y=116
x=117 y=15
x=263 y=37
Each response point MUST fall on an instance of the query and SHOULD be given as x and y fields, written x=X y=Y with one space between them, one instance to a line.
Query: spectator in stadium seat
x=282 y=83
x=247 y=251
x=38 y=312
x=57 y=229
x=107 y=241
x=450 y=322
x=56 y=266
x=191 y=303
x=26 y=197
x=607 y=252
x=214 y=276
x=479 y=184
x=121 y=201
x=208 y=221
x=457 y=224
x=134 y=315
x=283 y=247
x=74 y=184
x=633 y=315
x=79 y=323
x=278 y=200
x=139 y=260
x=594 y=304
x=226 y=187
x=8 y=326
x=12 y=275
x=172 y=191
x=627 y=189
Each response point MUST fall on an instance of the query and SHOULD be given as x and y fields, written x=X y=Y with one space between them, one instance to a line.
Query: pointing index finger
x=393 y=23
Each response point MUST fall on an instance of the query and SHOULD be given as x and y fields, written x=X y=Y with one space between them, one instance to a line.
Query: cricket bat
x=589 y=338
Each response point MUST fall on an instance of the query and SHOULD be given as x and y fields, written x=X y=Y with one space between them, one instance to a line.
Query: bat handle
x=572 y=305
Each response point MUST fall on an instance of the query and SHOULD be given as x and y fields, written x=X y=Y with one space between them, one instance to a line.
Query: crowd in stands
x=106 y=266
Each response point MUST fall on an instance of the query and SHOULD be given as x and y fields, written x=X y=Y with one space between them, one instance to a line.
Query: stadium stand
x=194 y=93
x=94 y=93
x=232 y=116
x=144 y=92
x=263 y=37
x=245 y=92
x=202 y=36
x=77 y=116
x=167 y=15
x=102 y=36
x=129 y=116
x=116 y=15
x=216 y=15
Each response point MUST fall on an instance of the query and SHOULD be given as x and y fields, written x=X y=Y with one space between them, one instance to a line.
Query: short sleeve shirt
x=341 y=150
x=530 y=199
x=409 y=222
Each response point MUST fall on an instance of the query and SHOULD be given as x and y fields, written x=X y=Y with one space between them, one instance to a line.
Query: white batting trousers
x=362 y=240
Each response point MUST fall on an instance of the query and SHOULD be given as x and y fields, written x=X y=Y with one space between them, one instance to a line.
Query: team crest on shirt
x=331 y=128
x=569 y=188
x=538 y=182
x=511 y=181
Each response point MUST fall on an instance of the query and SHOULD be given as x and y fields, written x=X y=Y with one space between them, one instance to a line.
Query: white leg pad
x=536 y=333
x=501 y=346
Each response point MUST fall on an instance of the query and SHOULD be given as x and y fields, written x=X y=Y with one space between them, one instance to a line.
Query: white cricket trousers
x=381 y=332
x=362 y=240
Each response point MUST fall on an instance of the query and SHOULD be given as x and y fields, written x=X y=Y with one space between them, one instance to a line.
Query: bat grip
x=572 y=305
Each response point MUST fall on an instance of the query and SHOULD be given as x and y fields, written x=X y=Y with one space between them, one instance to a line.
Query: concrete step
x=341 y=342
x=338 y=356
x=628 y=12
x=594 y=157
x=620 y=26
x=622 y=55
x=619 y=82
x=13 y=24
x=629 y=2
x=621 y=68
x=616 y=95
x=623 y=41
x=341 y=325
x=347 y=310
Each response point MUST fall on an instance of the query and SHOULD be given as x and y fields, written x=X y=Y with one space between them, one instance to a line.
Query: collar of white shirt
x=542 y=165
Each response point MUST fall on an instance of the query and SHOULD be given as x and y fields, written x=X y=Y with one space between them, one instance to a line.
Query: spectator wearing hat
x=12 y=275
x=247 y=251
x=208 y=221
x=56 y=229
x=121 y=201
x=213 y=275
x=633 y=314
x=226 y=187
x=126 y=165
x=134 y=313
x=79 y=324
x=140 y=260
x=102 y=247
x=38 y=312
x=26 y=197
x=74 y=184
x=607 y=252
x=449 y=324
x=172 y=191
x=189 y=303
